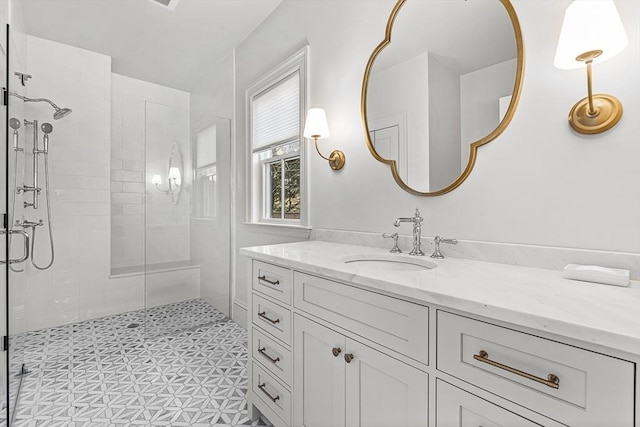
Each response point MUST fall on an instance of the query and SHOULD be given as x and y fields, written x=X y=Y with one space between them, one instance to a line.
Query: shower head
x=60 y=112
x=46 y=128
x=14 y=123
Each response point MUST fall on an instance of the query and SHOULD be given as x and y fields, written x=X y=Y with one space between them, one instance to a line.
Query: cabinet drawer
x=566 y=383
x=272 y=318
x=457 y=408
x=396 y=324
x=271 y=393
x=272 y=280
x=273 y=356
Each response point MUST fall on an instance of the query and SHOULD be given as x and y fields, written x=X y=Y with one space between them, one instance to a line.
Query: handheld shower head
x=14 y=123
x=46 y=128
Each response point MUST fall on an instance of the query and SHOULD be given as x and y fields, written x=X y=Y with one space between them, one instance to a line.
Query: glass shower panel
x=169 y=276
x=16 y=238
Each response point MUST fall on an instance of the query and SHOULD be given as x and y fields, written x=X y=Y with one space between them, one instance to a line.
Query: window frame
x=256 y=182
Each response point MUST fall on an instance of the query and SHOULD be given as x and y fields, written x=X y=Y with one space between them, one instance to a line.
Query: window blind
x=276 y=113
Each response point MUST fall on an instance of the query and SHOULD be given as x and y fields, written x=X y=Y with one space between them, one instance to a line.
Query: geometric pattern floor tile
x=181 y=364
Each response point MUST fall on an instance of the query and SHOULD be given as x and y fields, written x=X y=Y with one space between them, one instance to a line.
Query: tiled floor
x=184 y=366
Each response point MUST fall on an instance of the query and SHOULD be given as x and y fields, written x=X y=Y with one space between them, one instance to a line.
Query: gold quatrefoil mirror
x=444 y=81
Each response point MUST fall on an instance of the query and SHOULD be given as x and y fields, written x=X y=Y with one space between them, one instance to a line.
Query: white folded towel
x=597 y=274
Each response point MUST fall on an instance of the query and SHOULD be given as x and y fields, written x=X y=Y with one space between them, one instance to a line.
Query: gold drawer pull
x=264 y=279
x=263 y=314
x=263 y=352
x=262 y=387
x=552 y=380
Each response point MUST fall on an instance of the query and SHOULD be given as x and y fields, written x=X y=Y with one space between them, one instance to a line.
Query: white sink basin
x=390 y=262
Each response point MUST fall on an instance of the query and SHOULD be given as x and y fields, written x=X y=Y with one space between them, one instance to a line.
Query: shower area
x=115 y=234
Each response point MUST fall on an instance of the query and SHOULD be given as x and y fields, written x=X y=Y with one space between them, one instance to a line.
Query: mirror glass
x=444 y=81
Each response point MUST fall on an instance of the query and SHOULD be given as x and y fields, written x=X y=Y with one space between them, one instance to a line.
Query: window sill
x=280 y=228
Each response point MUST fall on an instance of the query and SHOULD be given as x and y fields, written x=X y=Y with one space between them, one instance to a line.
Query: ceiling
x=147 y=41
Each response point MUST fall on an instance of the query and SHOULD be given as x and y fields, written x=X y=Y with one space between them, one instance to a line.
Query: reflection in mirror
x=174 y=175
x=441 y=88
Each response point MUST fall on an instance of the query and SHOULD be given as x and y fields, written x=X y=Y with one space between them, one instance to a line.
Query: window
x=206 y=173
x=275 y=112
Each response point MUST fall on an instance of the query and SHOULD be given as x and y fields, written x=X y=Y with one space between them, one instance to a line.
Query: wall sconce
x=592 y=32
x=175 y=181
x=316 y=127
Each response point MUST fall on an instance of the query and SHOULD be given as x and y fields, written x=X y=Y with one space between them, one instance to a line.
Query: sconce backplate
x=608 y=112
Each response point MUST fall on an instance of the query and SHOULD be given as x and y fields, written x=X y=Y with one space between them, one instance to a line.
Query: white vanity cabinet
x=337 y=379
x=327 y=352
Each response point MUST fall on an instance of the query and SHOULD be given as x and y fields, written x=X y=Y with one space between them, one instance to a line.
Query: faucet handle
x=417 y=218
x=437 y=240
x=394 y=236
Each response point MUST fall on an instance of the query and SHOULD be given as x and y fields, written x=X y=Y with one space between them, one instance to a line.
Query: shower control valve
x=25 y=223
x=26 y=188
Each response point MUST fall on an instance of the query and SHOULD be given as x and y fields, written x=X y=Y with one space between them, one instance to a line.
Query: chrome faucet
x=437 y=240
x=417 y=228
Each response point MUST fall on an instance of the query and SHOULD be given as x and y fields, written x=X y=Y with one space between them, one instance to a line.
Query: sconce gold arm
x=595 y=113
x=336 y=159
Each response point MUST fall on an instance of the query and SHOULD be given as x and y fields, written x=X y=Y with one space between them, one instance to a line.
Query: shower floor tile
x=183 y=364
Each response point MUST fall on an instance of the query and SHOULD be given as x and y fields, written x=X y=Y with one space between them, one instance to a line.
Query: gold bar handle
x=264 y=390
x=263 y=352
x=552 y=380
x=263 y=314
x=271 y=282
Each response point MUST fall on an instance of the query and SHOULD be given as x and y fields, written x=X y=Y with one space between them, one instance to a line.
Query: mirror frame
x=517 y=87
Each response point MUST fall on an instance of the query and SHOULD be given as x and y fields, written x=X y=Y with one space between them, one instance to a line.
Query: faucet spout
x=417 y=228
x=397 y=222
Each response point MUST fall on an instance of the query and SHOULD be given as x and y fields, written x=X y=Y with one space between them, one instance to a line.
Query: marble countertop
x=530 y=297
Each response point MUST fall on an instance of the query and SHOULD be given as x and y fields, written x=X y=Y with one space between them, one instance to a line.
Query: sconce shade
x=156 y=179
x=316 y=125
x=590 y=25
x=174 y=174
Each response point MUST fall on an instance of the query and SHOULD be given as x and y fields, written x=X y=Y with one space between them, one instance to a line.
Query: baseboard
x=239 y=314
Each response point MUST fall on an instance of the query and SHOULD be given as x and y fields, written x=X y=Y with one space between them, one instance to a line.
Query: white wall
x=538 y=183
x=77 y=285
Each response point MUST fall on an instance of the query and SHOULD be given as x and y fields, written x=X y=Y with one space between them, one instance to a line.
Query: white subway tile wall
x=97 y=179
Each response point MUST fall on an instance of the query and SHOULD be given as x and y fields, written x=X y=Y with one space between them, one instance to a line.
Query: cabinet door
x=318 y=375
x=382 y=391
